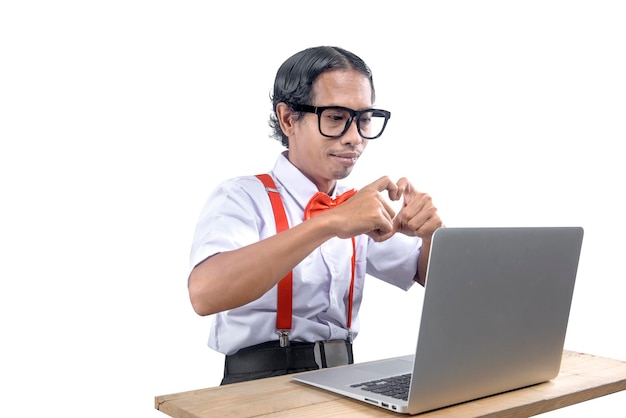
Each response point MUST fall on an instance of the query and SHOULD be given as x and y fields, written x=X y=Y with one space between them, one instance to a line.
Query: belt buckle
x=331 y=353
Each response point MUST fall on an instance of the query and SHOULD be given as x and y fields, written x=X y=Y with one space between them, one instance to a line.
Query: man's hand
x=367 y=212
x=418 y=216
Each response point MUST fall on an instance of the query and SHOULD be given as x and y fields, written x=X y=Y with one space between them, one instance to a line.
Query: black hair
x=295 y=78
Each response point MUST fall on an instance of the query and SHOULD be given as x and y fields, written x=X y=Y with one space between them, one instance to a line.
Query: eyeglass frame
x=318 y=110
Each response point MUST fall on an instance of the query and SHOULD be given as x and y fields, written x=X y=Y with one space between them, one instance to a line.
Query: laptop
x=494 y=318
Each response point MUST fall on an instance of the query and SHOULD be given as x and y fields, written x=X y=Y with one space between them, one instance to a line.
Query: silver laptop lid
x=495 y=313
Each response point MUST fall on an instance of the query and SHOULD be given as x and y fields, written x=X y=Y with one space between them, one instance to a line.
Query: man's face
x=324 y=160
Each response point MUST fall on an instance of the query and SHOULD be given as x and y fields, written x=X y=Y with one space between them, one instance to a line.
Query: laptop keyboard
x=395 y=386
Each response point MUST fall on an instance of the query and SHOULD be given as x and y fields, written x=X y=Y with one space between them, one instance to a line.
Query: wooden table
x=582 y=377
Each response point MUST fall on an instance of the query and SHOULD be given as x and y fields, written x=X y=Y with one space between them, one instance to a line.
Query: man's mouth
x=346 y=158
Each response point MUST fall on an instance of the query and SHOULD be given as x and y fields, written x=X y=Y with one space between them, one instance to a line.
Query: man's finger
x=384 y=183
x=390 y=213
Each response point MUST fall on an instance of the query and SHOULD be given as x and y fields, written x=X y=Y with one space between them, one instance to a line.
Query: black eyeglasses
x=334 y=121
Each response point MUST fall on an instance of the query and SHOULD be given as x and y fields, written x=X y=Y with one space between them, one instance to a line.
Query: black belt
x=270 y=356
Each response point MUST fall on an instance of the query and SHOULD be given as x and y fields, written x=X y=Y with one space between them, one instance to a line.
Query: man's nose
x=352 y=135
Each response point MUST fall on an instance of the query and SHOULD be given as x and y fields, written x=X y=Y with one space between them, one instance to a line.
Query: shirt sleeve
x=394 y=260
x=231 y=218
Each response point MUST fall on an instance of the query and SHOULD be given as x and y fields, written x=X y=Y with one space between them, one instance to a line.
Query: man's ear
x=285 y=118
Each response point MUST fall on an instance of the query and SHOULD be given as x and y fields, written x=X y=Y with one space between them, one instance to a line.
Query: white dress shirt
x=239 y=213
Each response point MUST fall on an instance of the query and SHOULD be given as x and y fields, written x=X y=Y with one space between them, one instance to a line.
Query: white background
x=118 y=118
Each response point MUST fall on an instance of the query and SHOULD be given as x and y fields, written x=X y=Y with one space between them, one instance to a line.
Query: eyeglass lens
x=334 y=122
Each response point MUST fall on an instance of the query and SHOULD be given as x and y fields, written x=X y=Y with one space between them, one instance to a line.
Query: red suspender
x=285 y=287
x=351 y=294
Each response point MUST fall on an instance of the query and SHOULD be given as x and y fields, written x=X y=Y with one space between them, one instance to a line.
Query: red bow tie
x=321 y=202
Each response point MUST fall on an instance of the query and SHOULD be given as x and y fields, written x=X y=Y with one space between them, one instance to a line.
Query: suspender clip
x=283 y=337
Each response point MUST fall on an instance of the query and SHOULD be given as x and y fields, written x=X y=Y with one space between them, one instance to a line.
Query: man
x=324 y=115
